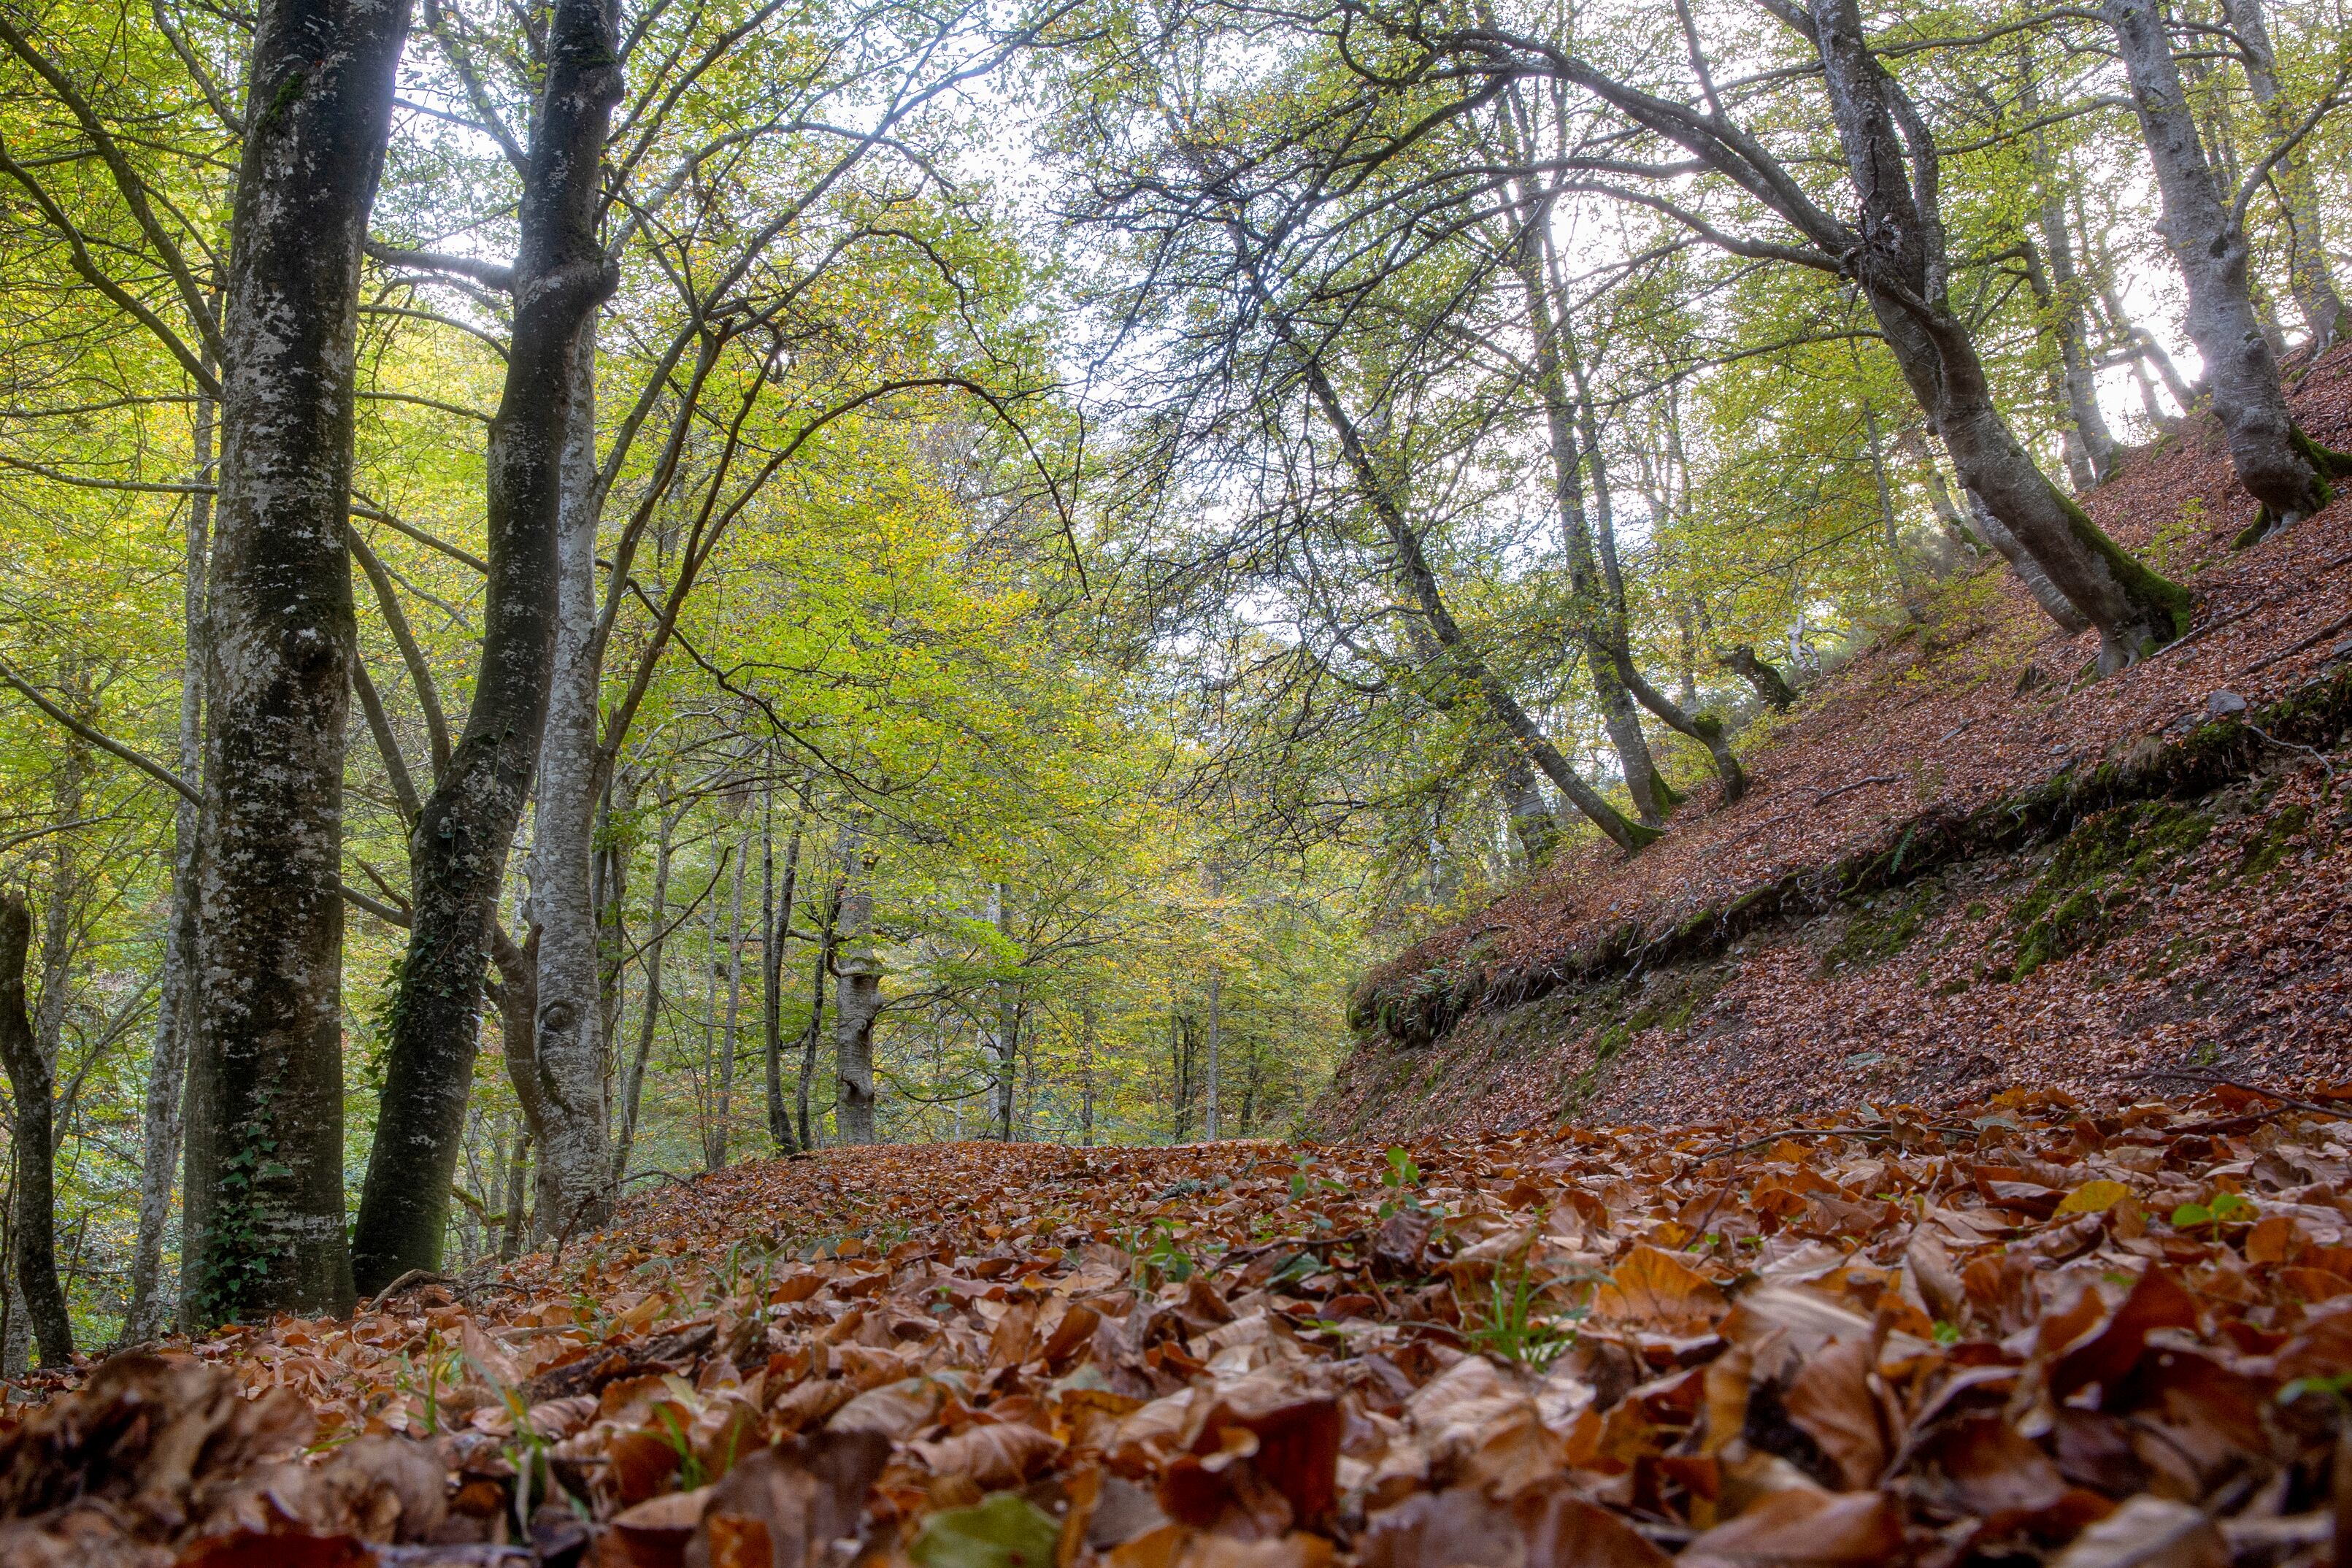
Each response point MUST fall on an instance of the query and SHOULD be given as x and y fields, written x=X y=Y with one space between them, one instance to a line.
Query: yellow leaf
x=2094 y=1197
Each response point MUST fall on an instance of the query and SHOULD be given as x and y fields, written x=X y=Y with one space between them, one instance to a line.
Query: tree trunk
x=657 y=918
x=518 y=1192
x=2091 y=447
x=2054 y=603
x=2274 y=460
x=1900 y=265
x=457 y=855
x=264 y=1220
x=575 y=1159
x=1532 y=823
x=1008 y=1017
x=828 y=938
x=163 y=1123
x=1743 y=662
x=1703 y=728
x=1626 y=835
x=860 y=998
x=725 y=1098
x=1087 y=1073
x=33 y=1252
x=1211 y=1072
x=1594 y=624
x=2310 y=275
x=776 y=921
x=1412 y=564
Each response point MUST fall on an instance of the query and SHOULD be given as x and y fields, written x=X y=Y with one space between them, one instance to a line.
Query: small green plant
x=1508 y=1326
x=2224 y=1207
x=1402 y=1179
x=689 y=1468
x=1160 y=1257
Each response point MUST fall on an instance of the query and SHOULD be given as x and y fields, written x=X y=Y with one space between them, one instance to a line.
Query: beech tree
x=2204 y=228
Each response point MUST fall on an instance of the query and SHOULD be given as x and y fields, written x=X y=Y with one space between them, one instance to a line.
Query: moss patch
x=2098 y=871
x=1882 y=927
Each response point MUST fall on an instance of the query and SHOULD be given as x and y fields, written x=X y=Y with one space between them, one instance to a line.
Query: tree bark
x=776 y=921
x=2046 y=594
x=162 y=1120
x=1743 y=662
x=634 y=1084
x=1596 y=628
x=457 y=855
x=2091 y=446
x=1899 y=261
x=1532 y=823
x=2276 y=461
x=725 y=1099
x=1008 y=1016
x=574 y=1156
x=827 y=941
x=1212 y=1071
x=2310 y=275
x=860 y=998
x=264 y=1220
x=517 y=1224
x=33 y=1250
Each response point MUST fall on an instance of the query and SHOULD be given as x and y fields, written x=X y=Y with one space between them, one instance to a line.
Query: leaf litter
x=2026 y=1332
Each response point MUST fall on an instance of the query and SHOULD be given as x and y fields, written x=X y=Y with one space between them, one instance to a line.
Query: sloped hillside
x=1965 y=863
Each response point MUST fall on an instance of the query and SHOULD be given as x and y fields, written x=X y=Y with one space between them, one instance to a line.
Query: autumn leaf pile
x=2031 y=1333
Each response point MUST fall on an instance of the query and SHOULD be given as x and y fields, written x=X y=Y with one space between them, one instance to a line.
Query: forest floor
x=2019 y=1334
x=2194 y=915
x=2068 y=1323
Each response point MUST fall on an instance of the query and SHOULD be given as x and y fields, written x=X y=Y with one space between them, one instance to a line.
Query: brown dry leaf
x=1651 y=1289
x=895 y=1412
x=996 y=1456
x=654 y=1533
x=1457 y=1528
x=1564 y=1530
x=1832 y=1400
x=2150 y=1532
x=805 y=1495
x=2108 y=1354
x=1804 y=1527
x=272 y=1549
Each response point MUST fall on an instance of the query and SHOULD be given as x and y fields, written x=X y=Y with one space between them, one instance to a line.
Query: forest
x=600 y=589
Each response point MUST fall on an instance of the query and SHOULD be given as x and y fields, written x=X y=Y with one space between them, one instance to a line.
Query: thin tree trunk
x=827 y=937
x=575 y=1159
x=726 y=1092
x=2310 y=275
x=1767 y=681
x=1594 y=625
x=518 y=1191
x=2091 y=447
x=33 y=1230
x=860 y=999
x=776 y=921
x=658 y=923
x=457 y=855
x=1008 y=1017
x=1214 y=1068
x=1532 y=823
x=2276 y=461
x=2046 y=594
x=1901 y=267
x=264 y=1220
x=1087 y=1074
x=163 y=1123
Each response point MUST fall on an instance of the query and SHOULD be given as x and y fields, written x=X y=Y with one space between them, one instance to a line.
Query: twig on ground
x=2206 y=1075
